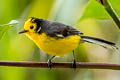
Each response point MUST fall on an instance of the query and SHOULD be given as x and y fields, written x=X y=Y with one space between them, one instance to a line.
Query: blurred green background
x=84 y=15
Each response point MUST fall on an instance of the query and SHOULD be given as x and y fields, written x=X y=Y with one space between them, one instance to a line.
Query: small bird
x=58 y=39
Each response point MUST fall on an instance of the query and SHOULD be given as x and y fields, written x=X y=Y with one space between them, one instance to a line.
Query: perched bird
x=58 y=39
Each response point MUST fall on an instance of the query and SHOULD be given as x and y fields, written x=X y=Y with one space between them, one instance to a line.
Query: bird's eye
x=31 y=27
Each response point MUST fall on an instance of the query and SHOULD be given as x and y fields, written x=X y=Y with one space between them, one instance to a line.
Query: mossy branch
x=110 y=11
x=81 y=65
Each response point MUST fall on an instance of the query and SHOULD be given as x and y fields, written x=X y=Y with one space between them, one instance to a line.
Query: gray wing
x=61 y=30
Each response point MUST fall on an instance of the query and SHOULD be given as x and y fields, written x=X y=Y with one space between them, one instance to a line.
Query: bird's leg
x=49 y=62
x=74 y=61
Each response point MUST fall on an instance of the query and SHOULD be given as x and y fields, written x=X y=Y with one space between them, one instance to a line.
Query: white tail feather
x=103 y=43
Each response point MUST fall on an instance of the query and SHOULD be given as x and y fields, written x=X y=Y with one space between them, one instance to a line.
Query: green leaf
x=4 y=27
x=3 y=30
x=95 y=10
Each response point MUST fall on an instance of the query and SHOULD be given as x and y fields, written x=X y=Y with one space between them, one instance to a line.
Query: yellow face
x=29 y=26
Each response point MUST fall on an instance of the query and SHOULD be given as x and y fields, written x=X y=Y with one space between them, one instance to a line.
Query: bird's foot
x=74 y=64
x=49 y=64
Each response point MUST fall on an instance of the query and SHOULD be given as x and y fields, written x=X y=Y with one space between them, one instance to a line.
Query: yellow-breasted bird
x=58 y=39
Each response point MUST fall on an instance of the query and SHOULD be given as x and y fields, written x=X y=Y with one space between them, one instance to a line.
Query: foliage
x=95 y=10
x=83 y=13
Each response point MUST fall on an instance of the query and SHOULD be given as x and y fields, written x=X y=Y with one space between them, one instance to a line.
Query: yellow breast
x=55 y=46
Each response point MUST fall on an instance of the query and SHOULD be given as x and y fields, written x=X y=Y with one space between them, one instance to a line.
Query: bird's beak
x=23 y=31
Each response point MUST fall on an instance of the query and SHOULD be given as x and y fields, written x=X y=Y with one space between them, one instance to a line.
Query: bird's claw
x=49 y=64
x=74 y=64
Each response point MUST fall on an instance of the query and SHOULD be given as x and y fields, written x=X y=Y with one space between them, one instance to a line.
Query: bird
x=58 y=39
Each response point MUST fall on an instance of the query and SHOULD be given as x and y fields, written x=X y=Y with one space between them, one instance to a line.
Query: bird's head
x=32 y=25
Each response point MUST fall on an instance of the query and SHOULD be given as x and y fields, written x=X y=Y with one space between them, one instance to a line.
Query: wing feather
x=57 y=29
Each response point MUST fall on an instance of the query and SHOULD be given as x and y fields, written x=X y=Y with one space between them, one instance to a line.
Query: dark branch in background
x=110 y=11
x=81 y=65
x=101 y=1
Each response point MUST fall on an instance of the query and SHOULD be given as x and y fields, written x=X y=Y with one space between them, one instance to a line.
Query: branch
x=110 y=11
x=81 y=65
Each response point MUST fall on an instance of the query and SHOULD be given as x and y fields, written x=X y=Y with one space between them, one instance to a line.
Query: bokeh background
x=87 y=16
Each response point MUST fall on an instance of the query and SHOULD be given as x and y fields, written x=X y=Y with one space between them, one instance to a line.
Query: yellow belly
x=56 y=46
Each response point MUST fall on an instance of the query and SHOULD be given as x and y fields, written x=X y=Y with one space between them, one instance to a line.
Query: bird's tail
x=101 y=42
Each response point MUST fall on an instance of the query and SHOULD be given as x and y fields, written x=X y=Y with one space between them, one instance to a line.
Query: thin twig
x=81 y=65
x=110 y=11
